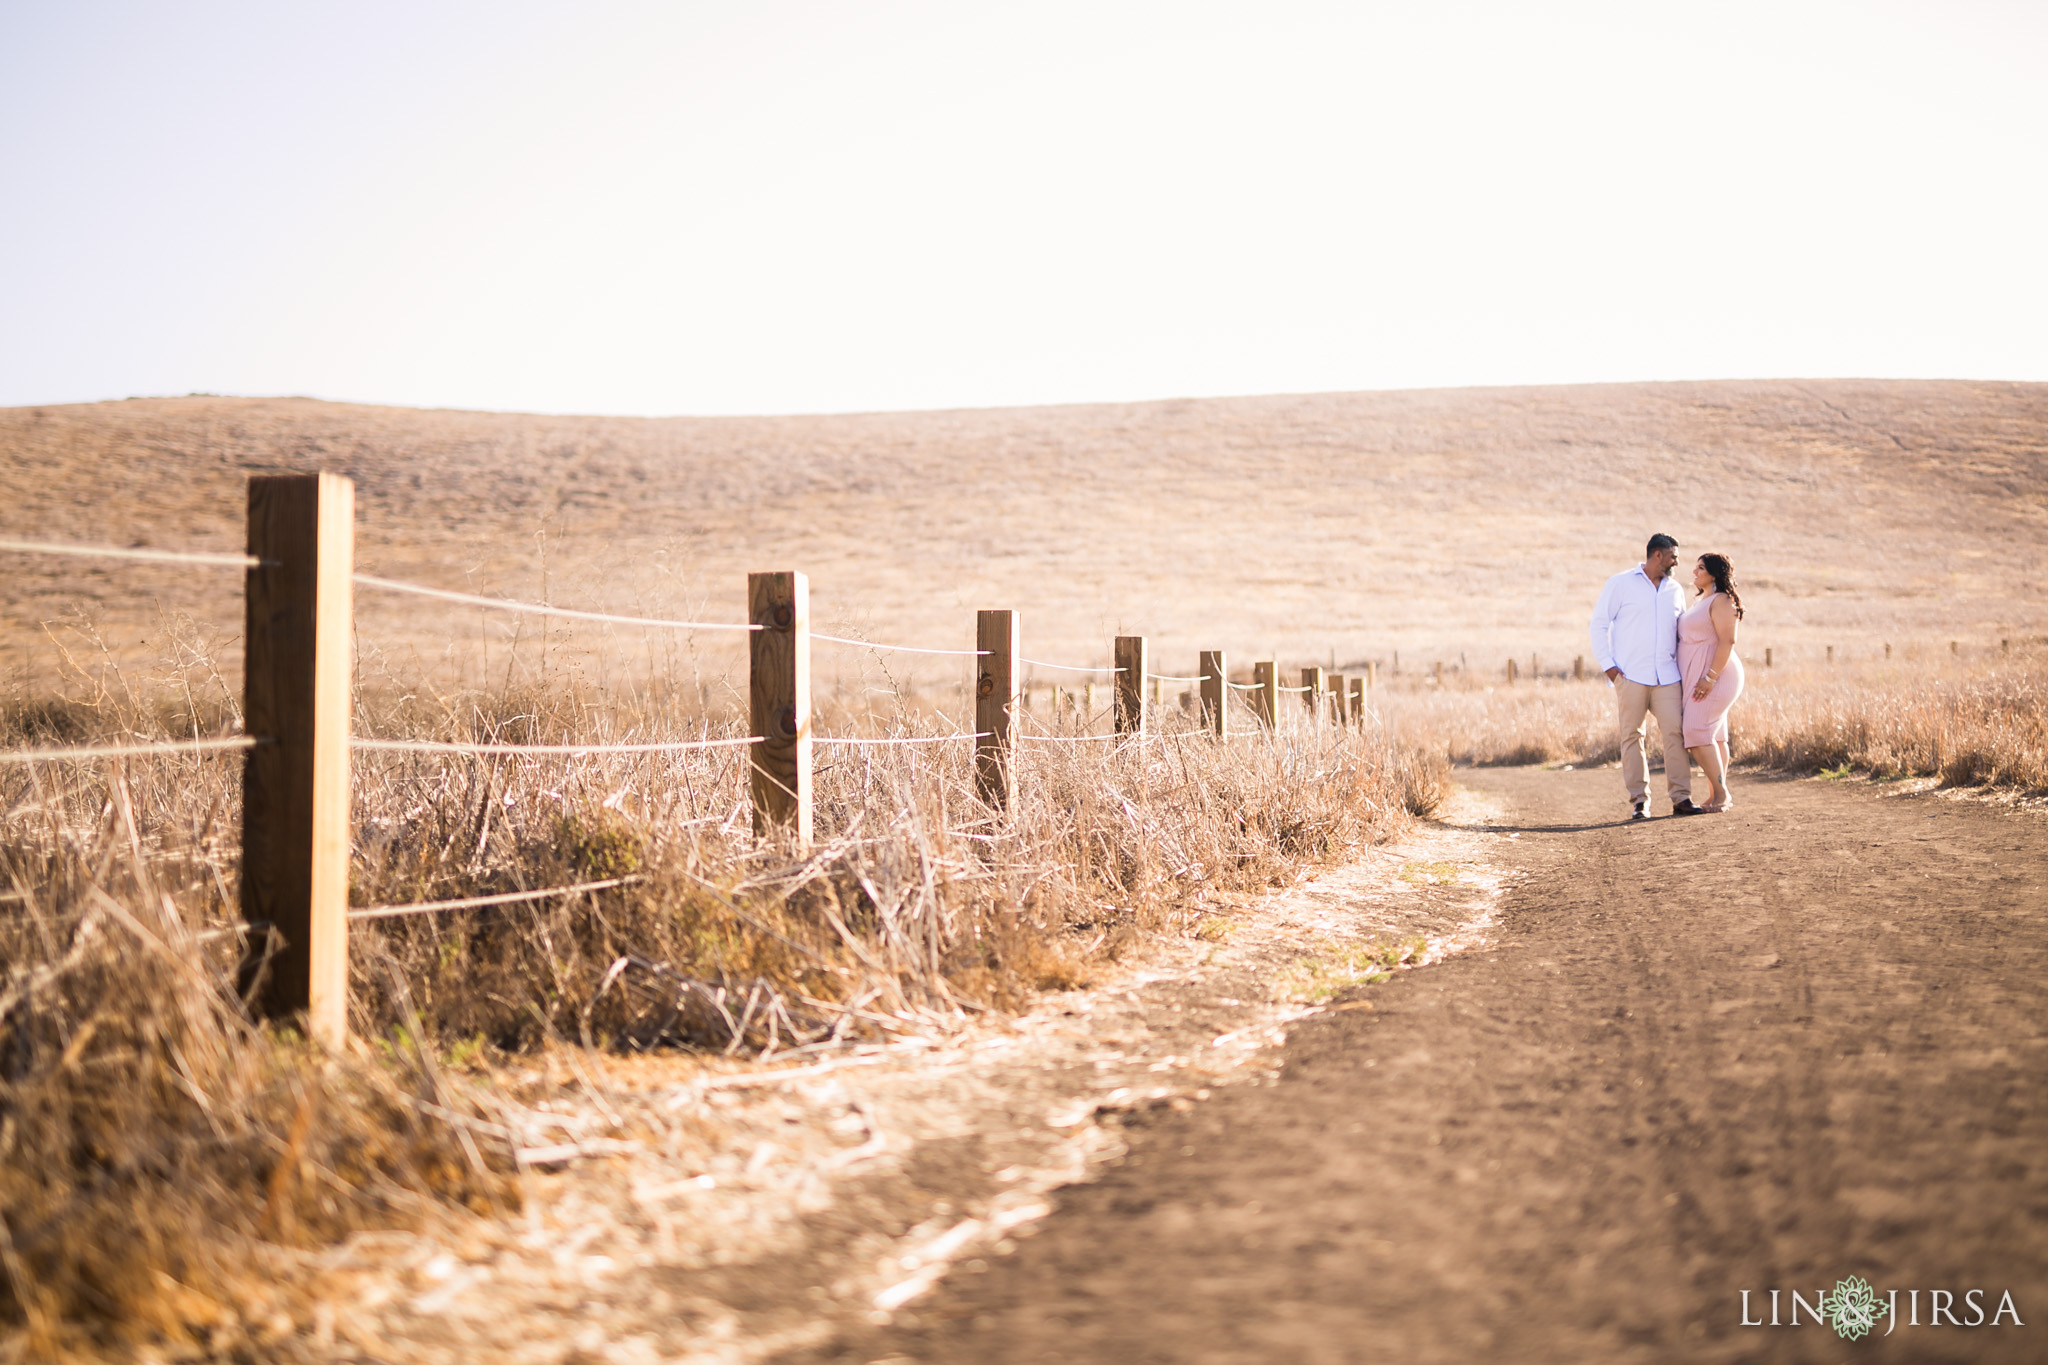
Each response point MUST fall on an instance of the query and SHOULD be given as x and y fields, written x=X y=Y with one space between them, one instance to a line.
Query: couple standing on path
x=1677 y=663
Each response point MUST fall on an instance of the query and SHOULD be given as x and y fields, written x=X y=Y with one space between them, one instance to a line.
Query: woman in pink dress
x=1712 y=673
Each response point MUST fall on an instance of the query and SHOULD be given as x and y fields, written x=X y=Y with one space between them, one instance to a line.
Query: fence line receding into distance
x=299 y=618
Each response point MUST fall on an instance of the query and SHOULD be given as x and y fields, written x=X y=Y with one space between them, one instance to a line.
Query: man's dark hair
x=1660 y=541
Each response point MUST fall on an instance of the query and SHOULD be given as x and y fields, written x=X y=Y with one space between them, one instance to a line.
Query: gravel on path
x=1765 y=1050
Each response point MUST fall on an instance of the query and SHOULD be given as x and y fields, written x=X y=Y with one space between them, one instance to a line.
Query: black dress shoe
x=1686 y=807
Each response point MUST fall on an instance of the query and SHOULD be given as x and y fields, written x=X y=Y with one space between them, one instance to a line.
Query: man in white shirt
x=1635 y=643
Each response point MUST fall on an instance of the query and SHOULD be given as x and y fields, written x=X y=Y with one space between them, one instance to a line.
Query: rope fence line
x=899 y=649
x=435 y=746
x=543 y=609
x=45 y=547
x=297 y=688
x=909 y=739
x=1071 y=668
x=85 y=752
x=472 y=902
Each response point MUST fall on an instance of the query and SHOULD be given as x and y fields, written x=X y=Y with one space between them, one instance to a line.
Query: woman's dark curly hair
x=1723 y=574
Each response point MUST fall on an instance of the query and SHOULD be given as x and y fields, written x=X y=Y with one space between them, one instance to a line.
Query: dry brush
x=166 y=1165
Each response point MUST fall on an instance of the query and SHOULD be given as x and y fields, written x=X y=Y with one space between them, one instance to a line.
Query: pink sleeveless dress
x=1704 y=722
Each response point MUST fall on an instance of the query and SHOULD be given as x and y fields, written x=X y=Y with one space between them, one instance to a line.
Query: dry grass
x=1968 y=722
x=161 y=1159
x=1973 y=717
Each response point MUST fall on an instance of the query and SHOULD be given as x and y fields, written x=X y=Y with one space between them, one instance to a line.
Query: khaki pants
x=1637 y=704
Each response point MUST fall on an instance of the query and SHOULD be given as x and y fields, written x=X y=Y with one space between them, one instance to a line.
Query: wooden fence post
x=996 y=635
x=1215 y=693
x=1133 y=662
x=1340 y=698
x=1579 y=668
x=780 y=604
x=1358 y=701
x=1312 y=690
x=1511 y=670
x=1266 y=700
x=295 y=789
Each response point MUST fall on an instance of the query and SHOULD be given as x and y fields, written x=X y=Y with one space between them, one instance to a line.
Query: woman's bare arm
x=1722 y=614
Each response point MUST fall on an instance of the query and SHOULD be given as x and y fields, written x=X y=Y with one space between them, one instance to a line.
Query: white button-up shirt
x=1635 y=627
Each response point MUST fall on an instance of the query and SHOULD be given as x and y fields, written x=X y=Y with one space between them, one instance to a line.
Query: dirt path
x=730 y=1211
x=1771 y=1049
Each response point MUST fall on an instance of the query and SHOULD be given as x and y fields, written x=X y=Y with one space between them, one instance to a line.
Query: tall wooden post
x=1215 y=693
x=295 y=696
x=780 y=692
x=1133 y=661
x=1266 y=700
x=1579 y=668
x=1312 y=690
x=1358 y=701
x=1340 y=697
x=997 y=634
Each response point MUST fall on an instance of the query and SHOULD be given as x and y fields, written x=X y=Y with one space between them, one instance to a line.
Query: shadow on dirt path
x=1763 y=1050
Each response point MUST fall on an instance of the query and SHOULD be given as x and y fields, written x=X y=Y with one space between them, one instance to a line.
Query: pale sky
x=768 y=207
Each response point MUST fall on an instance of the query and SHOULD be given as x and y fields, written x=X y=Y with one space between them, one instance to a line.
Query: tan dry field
x=1433 y=524
x=1444 y=525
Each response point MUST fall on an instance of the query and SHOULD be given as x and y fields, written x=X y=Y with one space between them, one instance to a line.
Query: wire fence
x=43 y=547
x=89 y=752
x=435 y=746
x=897 y=649
x=545 y=608
x=1071 y=668
x=369 y=744
x=899 y=739
x=305 y=524
x=479 y=902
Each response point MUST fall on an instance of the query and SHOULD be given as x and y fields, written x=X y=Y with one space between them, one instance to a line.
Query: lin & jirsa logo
x=1853 y=1308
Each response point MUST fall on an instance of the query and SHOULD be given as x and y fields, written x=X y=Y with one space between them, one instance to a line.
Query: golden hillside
x=1433 y=523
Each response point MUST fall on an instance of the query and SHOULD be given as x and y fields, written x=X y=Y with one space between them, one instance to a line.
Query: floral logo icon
x=1853 y=1308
